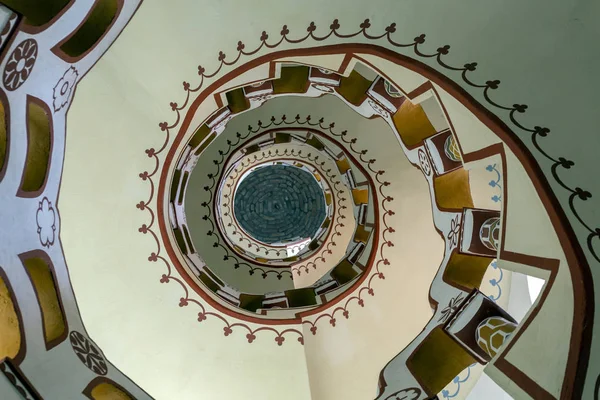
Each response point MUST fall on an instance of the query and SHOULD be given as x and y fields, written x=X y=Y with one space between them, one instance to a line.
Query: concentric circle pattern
x=278 y=203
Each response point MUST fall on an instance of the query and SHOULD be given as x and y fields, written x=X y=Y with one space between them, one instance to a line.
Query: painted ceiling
x=436 y=160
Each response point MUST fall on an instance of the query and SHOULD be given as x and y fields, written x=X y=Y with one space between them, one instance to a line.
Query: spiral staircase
x=278 y=200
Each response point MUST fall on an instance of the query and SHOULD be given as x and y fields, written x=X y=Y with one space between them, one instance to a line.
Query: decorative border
x=283 y=122
x=279 y=272
x=536 y=132
x=368 y=275
x=583 y=334
x=458 y=382
x=207 y=204
x=495 y=183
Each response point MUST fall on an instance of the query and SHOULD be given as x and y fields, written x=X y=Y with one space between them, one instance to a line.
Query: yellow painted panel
x=360 y=196
x=10 y=333
x=354 y=88
x=452 y=190
x=343 y=165
x=292 y=80
x=237 y=101
x=199 y=136
x=38 y=148
x=361 y=234
x=412 y=124
x=205 y=144
x=438 y=360
x=106 y=391
x=466 y=271
x=44 y=285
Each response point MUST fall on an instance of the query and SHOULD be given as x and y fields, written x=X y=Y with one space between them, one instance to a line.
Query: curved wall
x=127 y=97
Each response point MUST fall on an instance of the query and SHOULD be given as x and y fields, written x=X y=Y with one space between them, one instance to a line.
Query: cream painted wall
x=175 y=356
x=120 y=103
x=344 y=361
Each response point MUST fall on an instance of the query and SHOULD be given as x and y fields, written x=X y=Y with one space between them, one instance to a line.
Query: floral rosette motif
x=20 y=64
x=88 y=353
x=64 y=88
x=45 y=219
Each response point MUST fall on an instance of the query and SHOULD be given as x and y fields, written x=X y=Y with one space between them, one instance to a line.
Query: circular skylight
x=279 y=203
